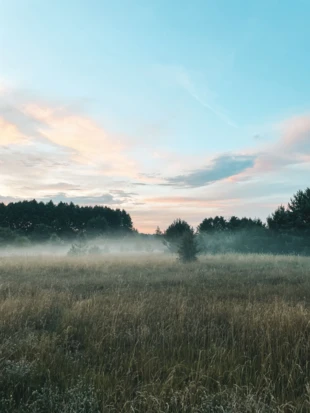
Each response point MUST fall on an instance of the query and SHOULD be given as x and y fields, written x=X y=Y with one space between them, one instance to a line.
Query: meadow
x=226 y=334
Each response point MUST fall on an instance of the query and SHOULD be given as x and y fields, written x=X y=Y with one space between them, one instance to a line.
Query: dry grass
x=226 y=334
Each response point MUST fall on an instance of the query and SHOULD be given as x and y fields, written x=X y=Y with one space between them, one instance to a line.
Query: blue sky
x=167 y=109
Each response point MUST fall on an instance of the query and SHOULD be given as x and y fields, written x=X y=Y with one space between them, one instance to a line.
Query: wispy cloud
x=10 y=134
x=196 y=202
x=123 y=194
x=57 y=186
x=49 y=151
x=102 y=199
x=292 y=147
x=185 y=81
x=180 y=76
x=296 y=135
x=90 y=144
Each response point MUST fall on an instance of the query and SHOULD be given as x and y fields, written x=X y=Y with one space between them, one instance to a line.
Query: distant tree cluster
x=287 y=231
x=25 y=221
x=295 y=218
x=220 y=224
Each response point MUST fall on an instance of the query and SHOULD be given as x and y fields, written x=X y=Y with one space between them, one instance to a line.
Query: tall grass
x=230 y=333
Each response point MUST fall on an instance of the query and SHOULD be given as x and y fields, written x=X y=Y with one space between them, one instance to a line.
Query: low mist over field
x=100 y=246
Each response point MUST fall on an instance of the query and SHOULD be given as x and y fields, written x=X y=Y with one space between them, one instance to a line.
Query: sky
x=167 y=109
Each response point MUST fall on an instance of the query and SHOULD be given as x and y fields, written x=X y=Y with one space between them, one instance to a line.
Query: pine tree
x=188 y=248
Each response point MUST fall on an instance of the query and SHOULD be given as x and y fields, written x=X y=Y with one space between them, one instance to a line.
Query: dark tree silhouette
x=299 y=210
x=174 y=234
x=188 y=248
x=176 y=230
x=41 y=232
x=280 y=220
x=39 y=220
x=213 y=225
x=220 y=224
x=7 y=236
x=97 y=226
x=295 y=218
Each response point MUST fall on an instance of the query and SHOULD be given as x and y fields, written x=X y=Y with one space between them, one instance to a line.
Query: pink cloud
x=90 y=143
x=10 y=134
x=211 y=204
x=292 y=148
x=296 y=133
x=146 y=219
x=162 y=210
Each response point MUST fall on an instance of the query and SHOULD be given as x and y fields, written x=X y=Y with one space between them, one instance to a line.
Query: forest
x=32 y=221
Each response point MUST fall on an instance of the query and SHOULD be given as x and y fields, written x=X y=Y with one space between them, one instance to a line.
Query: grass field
x=227 y=334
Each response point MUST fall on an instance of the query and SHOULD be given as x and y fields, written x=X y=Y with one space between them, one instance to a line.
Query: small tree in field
x=188 y=248
x=174 y=234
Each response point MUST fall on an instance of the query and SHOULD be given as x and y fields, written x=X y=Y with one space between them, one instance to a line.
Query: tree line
x=25 y=221
x=286 y=231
